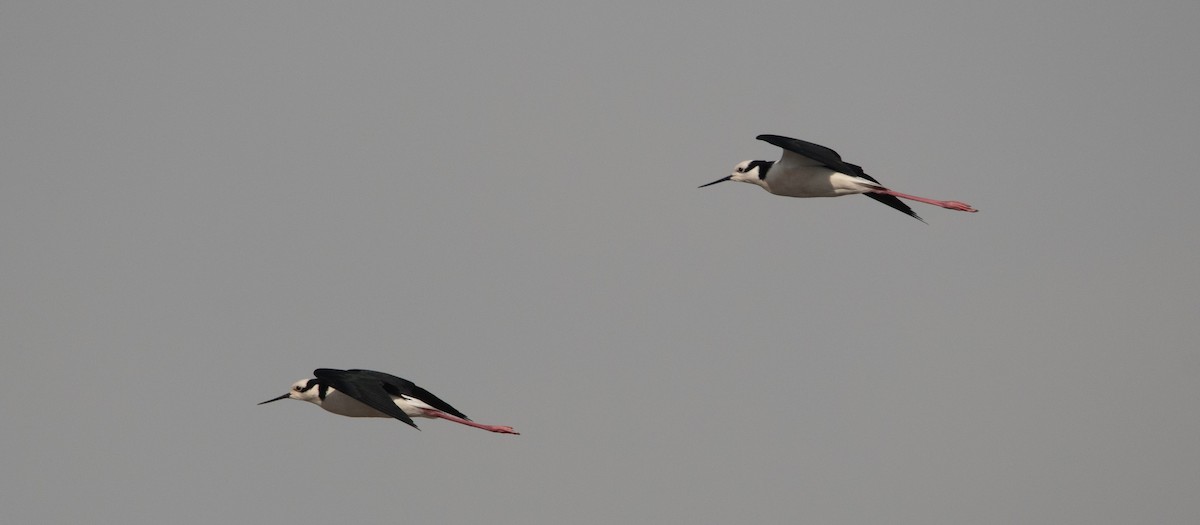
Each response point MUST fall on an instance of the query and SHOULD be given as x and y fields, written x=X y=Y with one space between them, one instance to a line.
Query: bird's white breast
x=805 y=180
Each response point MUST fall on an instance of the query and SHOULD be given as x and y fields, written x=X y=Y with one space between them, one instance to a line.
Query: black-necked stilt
x=367 y=393
x=812 y=170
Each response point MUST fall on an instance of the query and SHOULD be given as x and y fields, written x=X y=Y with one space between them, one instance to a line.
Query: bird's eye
x=741 y=169
x=296 y=388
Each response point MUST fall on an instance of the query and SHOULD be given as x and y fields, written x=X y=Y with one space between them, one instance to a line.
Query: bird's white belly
x=344 y=405
x=815 y=182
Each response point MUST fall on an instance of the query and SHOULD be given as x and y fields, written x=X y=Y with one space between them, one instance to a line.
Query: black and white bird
x=812 y=170
x=367 y=393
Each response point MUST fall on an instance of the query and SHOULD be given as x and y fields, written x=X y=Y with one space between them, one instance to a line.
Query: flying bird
x=812 y=170
x=367 y=393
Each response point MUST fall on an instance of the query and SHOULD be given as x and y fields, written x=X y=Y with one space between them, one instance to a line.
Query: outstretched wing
x=397 y=386
x=814 y=153
x=826 y=157
x=368 y=390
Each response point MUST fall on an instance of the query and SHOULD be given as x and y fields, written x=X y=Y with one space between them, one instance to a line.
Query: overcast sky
x=201 y=202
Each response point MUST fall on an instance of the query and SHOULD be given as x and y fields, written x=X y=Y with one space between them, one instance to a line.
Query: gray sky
x=202 y=202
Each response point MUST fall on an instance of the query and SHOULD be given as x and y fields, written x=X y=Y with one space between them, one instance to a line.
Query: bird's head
x=752 y=171
x=304 y=390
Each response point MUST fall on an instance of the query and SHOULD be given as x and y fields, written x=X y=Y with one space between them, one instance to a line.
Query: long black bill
x=718 y=180
x=285 y=396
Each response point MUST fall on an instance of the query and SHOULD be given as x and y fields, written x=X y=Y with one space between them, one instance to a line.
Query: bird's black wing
x=399 y=386
x=815 y=152
x=365 y=388
x=833 y=161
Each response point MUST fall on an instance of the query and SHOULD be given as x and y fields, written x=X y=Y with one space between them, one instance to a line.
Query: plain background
x=201 y=202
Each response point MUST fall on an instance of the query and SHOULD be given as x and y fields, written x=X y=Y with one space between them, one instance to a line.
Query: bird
x=813 y=170
x=367 y=393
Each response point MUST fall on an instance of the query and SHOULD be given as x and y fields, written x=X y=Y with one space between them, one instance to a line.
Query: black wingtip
x=897 y=204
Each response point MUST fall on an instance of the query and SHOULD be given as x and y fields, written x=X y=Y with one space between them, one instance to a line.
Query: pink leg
x=468 y=422
x=952 y=205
